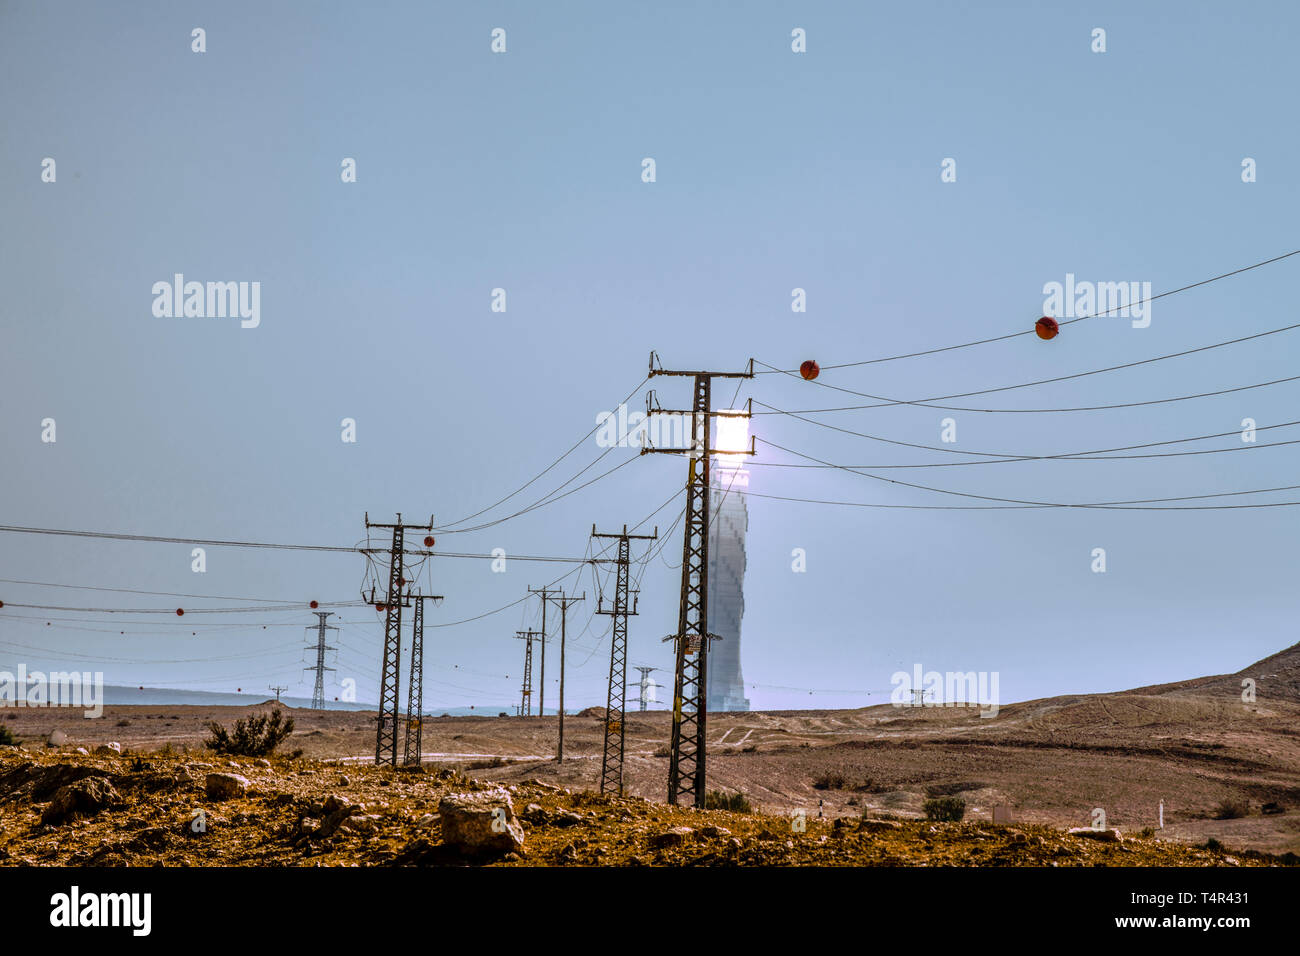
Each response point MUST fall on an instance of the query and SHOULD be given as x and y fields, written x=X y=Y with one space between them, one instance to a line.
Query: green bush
x=947 y=809
x=721 y=800
x=6 y=737
x=253 y=737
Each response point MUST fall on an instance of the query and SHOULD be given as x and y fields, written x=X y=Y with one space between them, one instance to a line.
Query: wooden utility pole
x=564 y=603
x=545 y=594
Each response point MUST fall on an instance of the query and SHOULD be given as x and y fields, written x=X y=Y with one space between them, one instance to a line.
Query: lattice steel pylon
x=415 y=689
x=526 y=689
x=318 y=692
x=611 y=761
x=686 y=761
x=390 y=671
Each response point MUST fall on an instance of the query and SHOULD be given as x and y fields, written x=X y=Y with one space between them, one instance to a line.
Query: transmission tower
x=415 y=690
x=645 y=679
x=686 y=761
x=546 y=594
x=611 y=761
x=318 y=692
x=564 y=603
x=390 y=671
x=526 y=691
x=278 y=692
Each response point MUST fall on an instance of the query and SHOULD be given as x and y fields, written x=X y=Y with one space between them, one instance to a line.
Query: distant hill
x=1277 y=678
x=116 y=695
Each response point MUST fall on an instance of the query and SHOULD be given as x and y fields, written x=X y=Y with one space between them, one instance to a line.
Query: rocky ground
x=59 y=807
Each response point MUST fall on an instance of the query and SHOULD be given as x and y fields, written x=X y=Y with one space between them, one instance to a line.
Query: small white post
x=1162 y=814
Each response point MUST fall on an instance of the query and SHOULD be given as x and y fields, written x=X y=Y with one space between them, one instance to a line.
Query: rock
x=713 y=832
x=480 y=823
x=361 y=823
x=223 y=786
x=335 y=820
x=415 y=851
x=344 y=781
x=110 y=749
x=56 y=739
x=569 y=853
x=85 y=798
x=565 y=818
x=879 y=826
x=82 y=751
x=1110 y=835
x=263 y=763
x=334 y=802
x=427 y=820
x=38 y=784
x=674 y=837
x=735 y=843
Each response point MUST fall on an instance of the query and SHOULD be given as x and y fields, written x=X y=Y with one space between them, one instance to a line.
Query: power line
x=999 y=458
x=448 y=527
x=1039 y=411
x=1046 y=381
x=1021 y=501
x=1012 y=335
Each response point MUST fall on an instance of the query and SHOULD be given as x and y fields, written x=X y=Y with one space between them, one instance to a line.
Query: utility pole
x=278 y=692
x=318 y=692
x=546 y=595
x=526 y=691
x=415 y=689
x=390 y=671
x=611 y=761
x=564 y=603
x=645 y=679
x=686 y=762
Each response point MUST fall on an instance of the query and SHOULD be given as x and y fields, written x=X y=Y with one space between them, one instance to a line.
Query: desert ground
x=1227 y=770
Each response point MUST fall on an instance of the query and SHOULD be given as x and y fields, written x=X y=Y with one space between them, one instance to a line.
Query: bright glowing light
x=733 y=436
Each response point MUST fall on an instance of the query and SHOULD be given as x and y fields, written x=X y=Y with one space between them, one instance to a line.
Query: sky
x=522 y=170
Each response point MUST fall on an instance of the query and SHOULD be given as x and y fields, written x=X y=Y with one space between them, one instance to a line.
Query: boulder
x=674 y=837
x=223 y=786
x=85 y=798
x=110 y=749
x=38 y=784
x=1110 y=835
x=480 y=823
x=56 y=739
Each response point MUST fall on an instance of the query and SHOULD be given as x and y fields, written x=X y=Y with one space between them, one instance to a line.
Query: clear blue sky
x=775 y=170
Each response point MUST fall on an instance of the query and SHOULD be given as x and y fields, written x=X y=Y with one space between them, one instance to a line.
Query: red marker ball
x=180 y=611
x=1046 y=328
x=809 y=370
x=2 y=603
x=428 y=541
x=315 y=604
